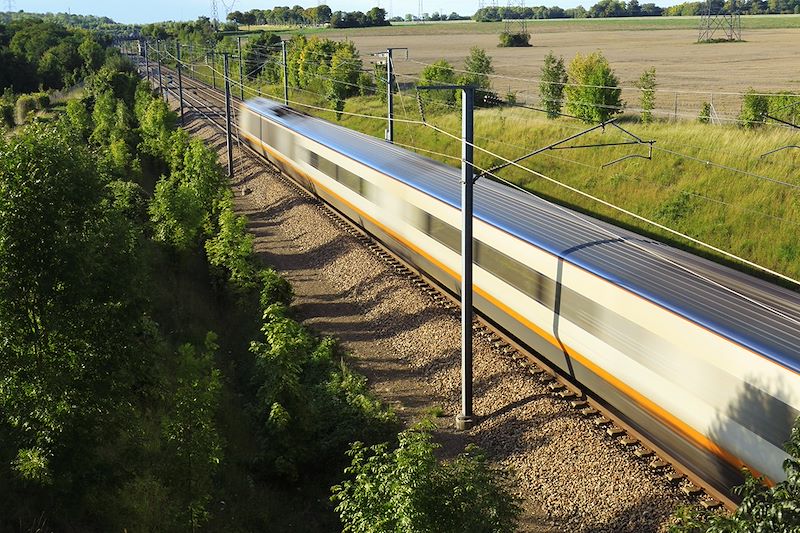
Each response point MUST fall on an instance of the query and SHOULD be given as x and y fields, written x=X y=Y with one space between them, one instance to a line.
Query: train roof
x=752 y=312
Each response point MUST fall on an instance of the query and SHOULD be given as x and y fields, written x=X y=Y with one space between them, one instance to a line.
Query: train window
x=348 y=179
x=312 y=158
x=267 y=130
x=327 y=167
x=443 y=232
x=520 y=276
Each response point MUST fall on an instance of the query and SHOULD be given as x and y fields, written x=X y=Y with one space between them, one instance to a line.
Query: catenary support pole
x=389 y=97
x=465 y=420
x=213 y=69
x=146 y=62
x=241 y=68
x=180 y=79
x=158 y=54
x=228 y=115
x=285 y=74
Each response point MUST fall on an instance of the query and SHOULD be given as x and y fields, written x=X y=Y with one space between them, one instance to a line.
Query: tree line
x=632 y=8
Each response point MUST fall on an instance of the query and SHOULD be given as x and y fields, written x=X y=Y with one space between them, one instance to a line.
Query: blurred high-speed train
x=700 y=358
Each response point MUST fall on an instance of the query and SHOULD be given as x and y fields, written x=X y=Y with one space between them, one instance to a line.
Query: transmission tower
x=719 y=26
x=214 y=14
x=10 y=5
x=420 y=11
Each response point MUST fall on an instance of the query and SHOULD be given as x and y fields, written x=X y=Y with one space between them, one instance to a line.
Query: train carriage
x=698 y=357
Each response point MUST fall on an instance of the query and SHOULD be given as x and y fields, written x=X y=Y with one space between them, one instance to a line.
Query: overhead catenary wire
x=589 y=196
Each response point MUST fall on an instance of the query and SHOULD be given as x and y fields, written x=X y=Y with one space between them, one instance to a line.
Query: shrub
x=705 y=113
x=515 y=40
x=774 y=509
x=25 y=104
x=551 y=86
x=754 y=107
x=479 y=66
x=593 y=93
x=232 y=248
x=408 y=489
x=647 y=98
x=79 y=118
x=439 y=73
x=42 y=100
x=274 y=289
x=7 y=114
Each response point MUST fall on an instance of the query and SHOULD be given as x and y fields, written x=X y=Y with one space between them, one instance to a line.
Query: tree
x=593 y=92
x=342 y=79
x=439 y=73
x=92 y=53
x=647 y=98
x=190 y=430
x=551 y=85
x=408 y=490
x=260 y=54
x=754 y=107
x=68 y=269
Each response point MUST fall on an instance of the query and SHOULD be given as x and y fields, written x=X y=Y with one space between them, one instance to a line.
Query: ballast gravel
x=570 y=474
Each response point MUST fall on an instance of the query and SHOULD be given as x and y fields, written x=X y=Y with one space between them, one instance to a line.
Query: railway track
x=209 y=103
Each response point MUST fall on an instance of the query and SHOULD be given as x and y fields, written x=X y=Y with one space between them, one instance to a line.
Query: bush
x=647 y=86
x=274 y=289
x=705 y=113
x=42 y=100
x=593 y=93
x=308 y=408
x=7 y=114
x=407 y=489
x=232 y=248
x=25 y=104
x=551 y=86
x=769 y=509
x=515 y=40
x=439 y=73
x=754 y=107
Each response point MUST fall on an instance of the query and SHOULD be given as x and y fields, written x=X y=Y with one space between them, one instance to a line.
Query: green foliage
x=309 y=408
x=190 y=429
x=342 y=78
x=514 y=39
x=183 y=203
x=705 y=113
x=67 y=268
x=762 y=509
x=156 y=126
x=79 y=118
x=25 y=104
x=551 y=86
x=439 y=73
x=408 y=490
x=754 y=107
x=647 y=98
x=262 y=55
x=478 y=67
x=593 y=93
x=274 y=289
x=232 y=248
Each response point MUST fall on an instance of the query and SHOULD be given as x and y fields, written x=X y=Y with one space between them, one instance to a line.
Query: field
x=688 y=73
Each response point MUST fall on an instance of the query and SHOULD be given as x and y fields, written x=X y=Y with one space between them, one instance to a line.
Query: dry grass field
x=767 y=60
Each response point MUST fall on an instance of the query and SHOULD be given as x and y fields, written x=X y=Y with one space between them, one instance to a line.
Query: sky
x=142 y=11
